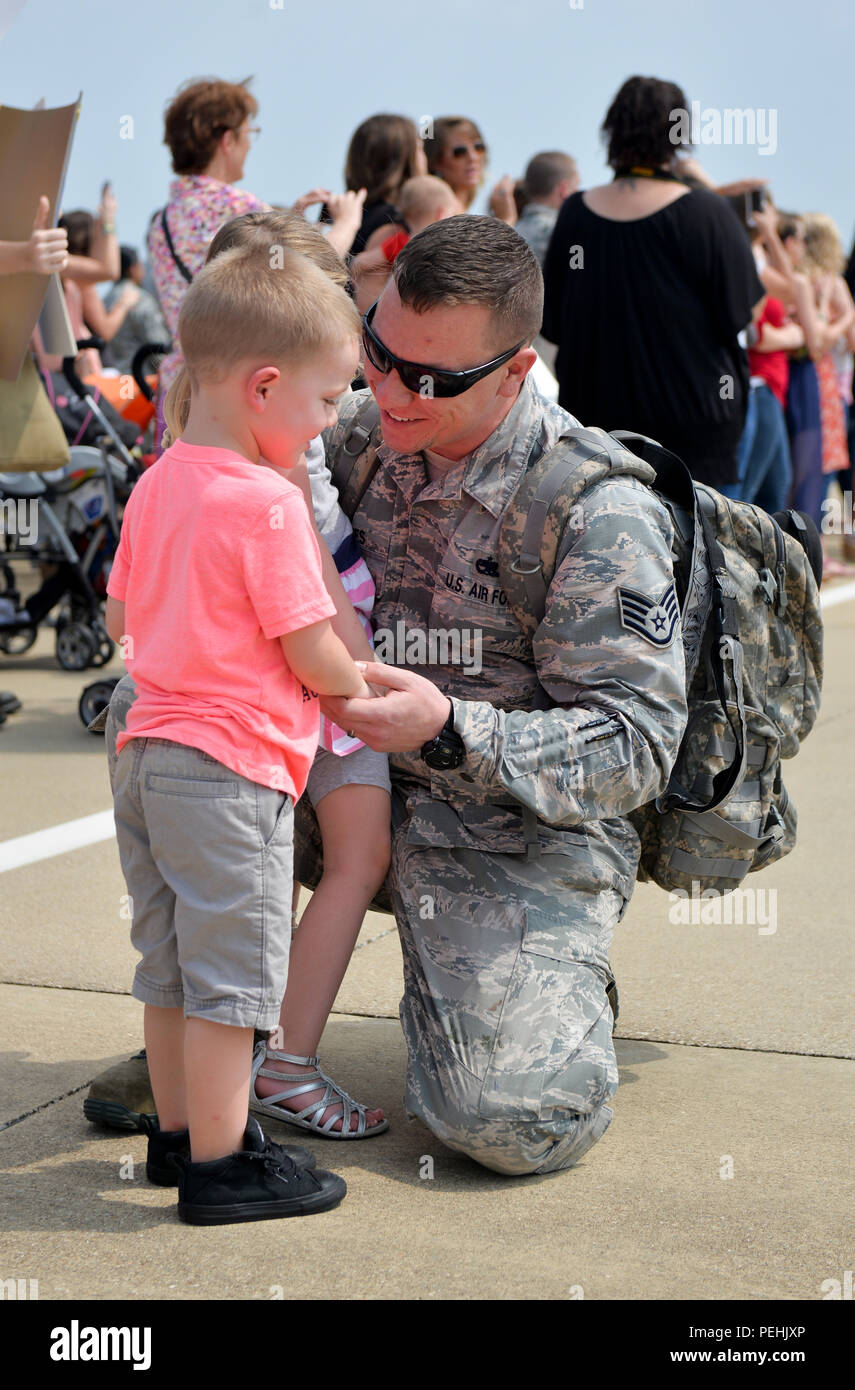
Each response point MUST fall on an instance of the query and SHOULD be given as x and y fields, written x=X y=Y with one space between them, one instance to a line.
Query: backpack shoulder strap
x=543 y=510
x=355 y=460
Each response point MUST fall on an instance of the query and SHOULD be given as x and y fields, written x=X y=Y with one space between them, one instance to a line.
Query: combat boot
x=614 y=1002
x=121 y=1098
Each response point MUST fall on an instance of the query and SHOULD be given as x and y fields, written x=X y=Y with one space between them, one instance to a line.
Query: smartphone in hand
x=755 y=201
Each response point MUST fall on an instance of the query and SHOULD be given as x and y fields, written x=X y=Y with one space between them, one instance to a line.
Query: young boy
x=217 y=598
x=422 y=200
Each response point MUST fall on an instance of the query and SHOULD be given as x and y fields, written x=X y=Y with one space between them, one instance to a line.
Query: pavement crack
x=735 y=1047
x=69 y=989
x=379 y=937
x=7 y=1124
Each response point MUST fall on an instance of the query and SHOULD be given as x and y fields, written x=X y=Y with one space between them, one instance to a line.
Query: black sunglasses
x=460 y=150
x=416 y=376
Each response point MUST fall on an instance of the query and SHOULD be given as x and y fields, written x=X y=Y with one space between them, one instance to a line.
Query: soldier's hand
x=413 y=711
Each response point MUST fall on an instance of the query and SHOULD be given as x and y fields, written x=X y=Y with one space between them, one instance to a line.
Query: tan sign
x=34 y=151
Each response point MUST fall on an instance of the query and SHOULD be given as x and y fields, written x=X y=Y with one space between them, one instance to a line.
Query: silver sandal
x=308 y=1081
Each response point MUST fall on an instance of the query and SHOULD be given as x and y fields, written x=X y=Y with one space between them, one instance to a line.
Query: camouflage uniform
x=510 y=872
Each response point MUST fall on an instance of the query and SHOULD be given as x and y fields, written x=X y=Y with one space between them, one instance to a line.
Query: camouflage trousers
x=504 y=1012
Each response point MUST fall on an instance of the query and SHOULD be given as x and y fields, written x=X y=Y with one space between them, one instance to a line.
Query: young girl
x=824 y=262
x=815 y=442
x=348 y=786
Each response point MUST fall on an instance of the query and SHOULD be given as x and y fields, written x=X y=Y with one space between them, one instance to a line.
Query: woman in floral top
x=208 y=132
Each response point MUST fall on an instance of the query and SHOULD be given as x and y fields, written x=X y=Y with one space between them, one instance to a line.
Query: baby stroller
x=78 y=509
x=97 y=696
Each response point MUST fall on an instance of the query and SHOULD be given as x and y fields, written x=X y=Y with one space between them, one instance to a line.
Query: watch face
x=445 y=755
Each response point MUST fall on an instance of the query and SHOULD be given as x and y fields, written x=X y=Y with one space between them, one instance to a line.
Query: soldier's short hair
x=545 y=171
x=474 y=260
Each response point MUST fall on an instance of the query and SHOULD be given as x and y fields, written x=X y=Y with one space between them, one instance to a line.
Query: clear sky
x=535 y=74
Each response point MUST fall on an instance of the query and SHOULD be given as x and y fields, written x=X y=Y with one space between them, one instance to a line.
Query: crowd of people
x=727 y=338
x=701 y=316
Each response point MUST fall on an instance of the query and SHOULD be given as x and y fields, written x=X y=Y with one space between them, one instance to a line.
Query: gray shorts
x=207 y=857
x=363 y=768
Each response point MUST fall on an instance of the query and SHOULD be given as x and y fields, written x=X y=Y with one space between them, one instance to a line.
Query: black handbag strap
x=172 y=251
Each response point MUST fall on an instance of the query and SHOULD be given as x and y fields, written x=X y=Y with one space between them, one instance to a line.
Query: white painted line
x=58 y=839
x=841 y=595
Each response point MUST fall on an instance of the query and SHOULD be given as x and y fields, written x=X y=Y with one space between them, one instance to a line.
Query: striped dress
x=337 y=534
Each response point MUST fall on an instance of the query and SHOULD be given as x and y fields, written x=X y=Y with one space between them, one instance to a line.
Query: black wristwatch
x=446 y=751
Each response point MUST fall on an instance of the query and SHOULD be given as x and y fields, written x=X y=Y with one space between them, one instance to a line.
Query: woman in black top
x=647 y=284
x=384 y=152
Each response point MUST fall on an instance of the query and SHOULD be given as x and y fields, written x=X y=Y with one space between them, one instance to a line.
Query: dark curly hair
x=640 y=121
x=199 y=115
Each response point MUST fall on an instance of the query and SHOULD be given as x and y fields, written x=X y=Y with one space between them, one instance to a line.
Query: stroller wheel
x=104 y=650
x=75 y=646
x=16 y=643
x=95 y=698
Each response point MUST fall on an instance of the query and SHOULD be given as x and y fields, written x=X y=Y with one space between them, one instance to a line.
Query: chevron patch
x=653 y=619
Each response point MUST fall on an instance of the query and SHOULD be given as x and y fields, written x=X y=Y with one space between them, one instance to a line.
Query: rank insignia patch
x=653 y=619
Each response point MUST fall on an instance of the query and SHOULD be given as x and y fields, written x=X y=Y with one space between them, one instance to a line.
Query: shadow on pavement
x=81 y=1188
x=631 y=1052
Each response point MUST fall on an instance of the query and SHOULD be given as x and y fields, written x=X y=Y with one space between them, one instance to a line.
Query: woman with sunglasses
x=456 y=152
x=209 y=129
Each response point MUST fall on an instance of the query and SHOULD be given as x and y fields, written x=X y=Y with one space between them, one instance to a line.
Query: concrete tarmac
x=726 y=1172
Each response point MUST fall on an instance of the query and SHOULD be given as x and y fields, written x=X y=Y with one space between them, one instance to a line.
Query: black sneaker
x=255 y=1184
x=163 y=1143
x=9 y=703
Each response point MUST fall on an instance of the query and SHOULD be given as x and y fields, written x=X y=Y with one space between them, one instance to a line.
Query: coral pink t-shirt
x=217 y=559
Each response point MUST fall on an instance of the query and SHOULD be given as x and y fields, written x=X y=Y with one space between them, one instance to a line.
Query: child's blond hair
x=823 y=249
x=271 y=232
x=424 y=196
x=280 y=227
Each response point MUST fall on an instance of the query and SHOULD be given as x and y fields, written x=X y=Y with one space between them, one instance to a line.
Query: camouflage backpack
x=748 y=590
